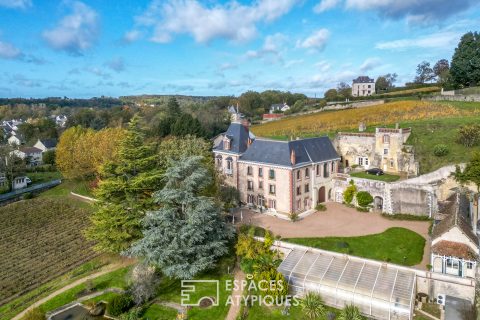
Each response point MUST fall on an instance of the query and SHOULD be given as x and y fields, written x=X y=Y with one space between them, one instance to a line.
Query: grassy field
x=63 y=190
x=384 y=177
x=395 y=245
x=158 y=312
x=412 y=91
x=40 y=177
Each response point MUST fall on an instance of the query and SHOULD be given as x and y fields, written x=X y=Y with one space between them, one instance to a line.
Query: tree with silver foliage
x=187 y=234
x=143 y=283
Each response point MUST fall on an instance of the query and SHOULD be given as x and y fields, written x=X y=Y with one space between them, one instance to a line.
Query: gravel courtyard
x=337 y=221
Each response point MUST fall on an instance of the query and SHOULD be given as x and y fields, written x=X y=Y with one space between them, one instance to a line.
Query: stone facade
x=363 y=86
x=384 y=149
x=286 y=177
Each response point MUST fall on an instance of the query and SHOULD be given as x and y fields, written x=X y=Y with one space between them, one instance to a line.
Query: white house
x=32 y=155
x=455 y=247
x=61 y=120
x=15 y=140
x=282 y=107
x=46 y=144
x=363 y=86
x=19 y=182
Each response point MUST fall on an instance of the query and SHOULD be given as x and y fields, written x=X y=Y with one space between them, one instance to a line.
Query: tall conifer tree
x=187 y=234
x=125 y=192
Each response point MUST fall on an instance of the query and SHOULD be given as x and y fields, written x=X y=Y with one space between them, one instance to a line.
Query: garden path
x=237 y=294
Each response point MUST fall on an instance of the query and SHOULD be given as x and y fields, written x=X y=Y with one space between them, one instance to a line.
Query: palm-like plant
x=350 y=312
x=313 y=306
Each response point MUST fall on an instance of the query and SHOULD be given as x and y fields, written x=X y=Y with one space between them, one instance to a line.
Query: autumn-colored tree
x=67 y=152
x=81 y=152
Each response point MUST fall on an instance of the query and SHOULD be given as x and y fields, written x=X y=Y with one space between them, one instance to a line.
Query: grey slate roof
x=49 y=143
x=278 y=152
x=363 y=79
x=239 y=138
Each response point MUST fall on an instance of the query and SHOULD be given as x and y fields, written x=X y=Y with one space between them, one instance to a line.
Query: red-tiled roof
x=454 y=249
x=30 y=150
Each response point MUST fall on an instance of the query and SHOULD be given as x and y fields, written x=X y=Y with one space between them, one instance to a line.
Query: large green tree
x=125 y=192
x=424 y=73
x=465 y=66
x=187 y=234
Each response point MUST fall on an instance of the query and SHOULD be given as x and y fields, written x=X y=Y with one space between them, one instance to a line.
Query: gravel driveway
x=337 y=221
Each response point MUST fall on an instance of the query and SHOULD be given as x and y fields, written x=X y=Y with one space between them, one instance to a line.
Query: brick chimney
x=293 y=158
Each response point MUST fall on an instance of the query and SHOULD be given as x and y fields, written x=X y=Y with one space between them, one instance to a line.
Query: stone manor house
x=279 y=176
x=295 y=176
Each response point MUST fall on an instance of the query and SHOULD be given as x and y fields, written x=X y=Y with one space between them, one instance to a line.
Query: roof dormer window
x=226 y=143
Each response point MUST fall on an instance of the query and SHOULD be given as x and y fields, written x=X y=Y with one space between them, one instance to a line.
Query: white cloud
x=416 y=11
x=370 y=64
x=116 y=64
x=9 y=51
x=75 y=32
x=16 y=4
x=290 y=63
x=272 y=45
x=436 y=40
x=131 y=36
x=232 y=20
x=323 y=65
x=98 y=72
x=227 y=66
x=325 y=5
x=316 y=41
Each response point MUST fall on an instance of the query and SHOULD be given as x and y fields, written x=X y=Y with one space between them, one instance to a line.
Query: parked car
x=28 y=180
x=375 y=171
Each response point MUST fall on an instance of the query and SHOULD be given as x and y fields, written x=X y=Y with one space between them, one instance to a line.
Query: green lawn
x=158 y=312
x=170 y=291
x=395 y=245
x=115 y=279
x=64 y=189
x=40 y=177
x=257 y=312
x=384 y=177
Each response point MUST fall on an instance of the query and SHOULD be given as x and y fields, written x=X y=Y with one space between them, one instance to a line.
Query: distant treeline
x=102 y=102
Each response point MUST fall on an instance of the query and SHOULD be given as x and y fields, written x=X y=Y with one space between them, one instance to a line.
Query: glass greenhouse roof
x=382 y=291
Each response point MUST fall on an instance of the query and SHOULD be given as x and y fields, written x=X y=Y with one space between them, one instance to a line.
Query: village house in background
x=16 y=139
x=278 y=176
x=279 y=107
x=385 y=149
x=363 y=86
x=31 y=155
x=46 y=144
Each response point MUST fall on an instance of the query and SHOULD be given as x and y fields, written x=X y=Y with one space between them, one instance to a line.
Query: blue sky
x=193 y=47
